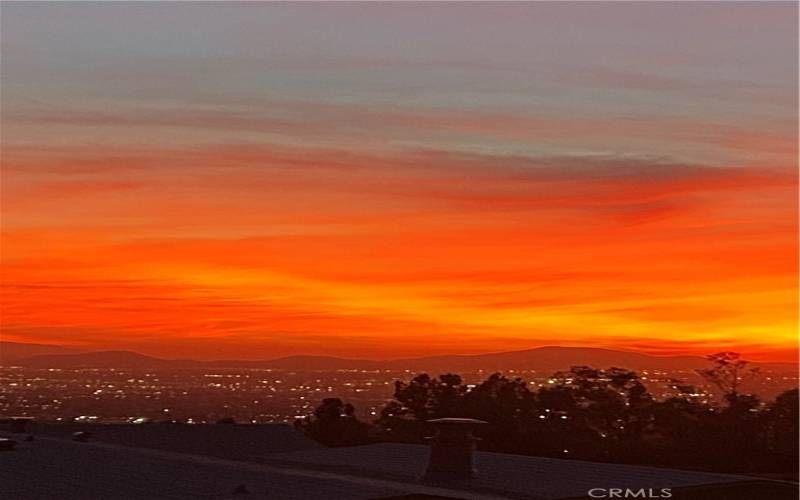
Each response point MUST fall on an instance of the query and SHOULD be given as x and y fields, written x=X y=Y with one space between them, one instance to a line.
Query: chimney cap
x=457 y=421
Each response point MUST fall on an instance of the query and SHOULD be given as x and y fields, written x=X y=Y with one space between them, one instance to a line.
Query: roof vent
x=81 y=436
x=452 y=449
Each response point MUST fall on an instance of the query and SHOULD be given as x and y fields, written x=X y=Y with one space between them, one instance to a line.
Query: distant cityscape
x=259 y=395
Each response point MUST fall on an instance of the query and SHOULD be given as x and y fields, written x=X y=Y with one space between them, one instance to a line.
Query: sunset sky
x=388 y=180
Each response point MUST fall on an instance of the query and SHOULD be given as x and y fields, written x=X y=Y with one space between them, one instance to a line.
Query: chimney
x=452 y=449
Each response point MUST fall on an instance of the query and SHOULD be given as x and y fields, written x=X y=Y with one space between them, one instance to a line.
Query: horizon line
x=377 y=360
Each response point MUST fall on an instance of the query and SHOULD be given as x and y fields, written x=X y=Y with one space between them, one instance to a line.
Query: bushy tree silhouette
x=334 y=424
x=590 y=413
x=782 y=429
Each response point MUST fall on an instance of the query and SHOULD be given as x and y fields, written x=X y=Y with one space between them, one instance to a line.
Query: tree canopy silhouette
x=593 y=414
x=334 y=424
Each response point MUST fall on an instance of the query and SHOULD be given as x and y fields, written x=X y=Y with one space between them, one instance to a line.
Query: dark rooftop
x=246 y=442
x=513 y=475
x=173 y=461
x=56 y=469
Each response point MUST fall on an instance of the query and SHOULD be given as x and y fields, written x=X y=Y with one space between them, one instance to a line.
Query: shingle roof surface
x=53 y=469
x=515 y=475
x=50 y=468
x=237 y=442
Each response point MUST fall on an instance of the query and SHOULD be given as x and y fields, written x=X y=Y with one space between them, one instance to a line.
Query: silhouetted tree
x=681 y=426
x=728 y=373
x=427 y=397
x=782 y=435
x=334 y=424
x=596 y=414
x=508 y=406
x=611 y=411
x=419 y=400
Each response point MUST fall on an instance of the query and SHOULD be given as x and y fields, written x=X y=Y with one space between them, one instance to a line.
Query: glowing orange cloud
x=266 y=251
x=372 y=182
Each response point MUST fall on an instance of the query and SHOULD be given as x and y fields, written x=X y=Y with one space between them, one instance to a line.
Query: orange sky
x=273 y=208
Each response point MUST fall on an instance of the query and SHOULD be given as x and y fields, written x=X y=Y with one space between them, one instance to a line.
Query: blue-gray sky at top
x=726 y=62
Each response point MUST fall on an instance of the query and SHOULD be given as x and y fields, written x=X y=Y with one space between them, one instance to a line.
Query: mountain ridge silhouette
x=546 y=358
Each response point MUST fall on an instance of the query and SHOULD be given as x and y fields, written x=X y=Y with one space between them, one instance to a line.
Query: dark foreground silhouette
x=590 y=414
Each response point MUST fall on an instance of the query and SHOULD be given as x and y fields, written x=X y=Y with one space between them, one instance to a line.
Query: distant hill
x=552 y=359
x=129 y=359
x=303 y=362
x=542 y=359
x=106 y=359
x=11 y=352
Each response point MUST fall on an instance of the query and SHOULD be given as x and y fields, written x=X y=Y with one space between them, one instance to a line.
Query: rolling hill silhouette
x=549 y=359
x=13 y=351
x=106 y=359
x=552 y=358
